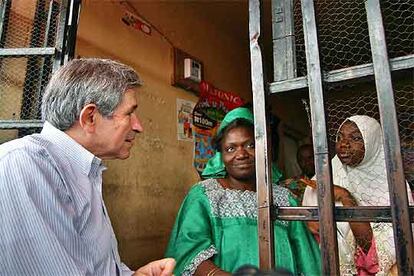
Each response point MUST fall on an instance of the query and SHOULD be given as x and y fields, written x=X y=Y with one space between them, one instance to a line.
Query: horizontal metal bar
x=16 y=124
x=21 y=52
x=365 y=70
x=350 y=73
x=365 y=213
x=289 y=84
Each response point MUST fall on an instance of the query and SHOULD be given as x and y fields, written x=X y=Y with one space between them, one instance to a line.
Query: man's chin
x=124 y=155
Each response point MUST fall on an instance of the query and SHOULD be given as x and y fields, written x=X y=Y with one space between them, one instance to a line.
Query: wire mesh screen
x=367 y=181
x=398 y=16
x=22 y=81
x=26 y=24
x=343 y=32
x=362 y=100
x=343 y=40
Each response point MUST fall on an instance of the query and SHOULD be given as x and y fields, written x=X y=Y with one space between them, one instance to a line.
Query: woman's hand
x=344 y=196
x=163 y=267
x=362 y=230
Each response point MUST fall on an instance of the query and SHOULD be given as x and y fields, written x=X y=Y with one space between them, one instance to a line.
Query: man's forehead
x=131 y=95
x=129 y=100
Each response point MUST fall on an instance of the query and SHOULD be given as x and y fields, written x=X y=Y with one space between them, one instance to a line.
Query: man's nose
x=136 y=123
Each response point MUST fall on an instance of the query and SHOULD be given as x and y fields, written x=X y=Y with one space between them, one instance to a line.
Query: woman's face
x=350 y=144
x=237 y=149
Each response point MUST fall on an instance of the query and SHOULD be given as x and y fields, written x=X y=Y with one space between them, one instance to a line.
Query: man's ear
x=88 y=117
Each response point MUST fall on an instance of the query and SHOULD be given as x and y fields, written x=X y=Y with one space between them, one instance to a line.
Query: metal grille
x=23 y=77
x=22 y=81
x=27 y=23
x=362 y=100
x=343 y=32
x=335 y=63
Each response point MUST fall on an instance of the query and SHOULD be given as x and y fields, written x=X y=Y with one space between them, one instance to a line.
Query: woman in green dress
x=215 y=231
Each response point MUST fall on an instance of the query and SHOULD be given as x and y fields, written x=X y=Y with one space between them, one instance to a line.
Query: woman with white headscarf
x=359 y=167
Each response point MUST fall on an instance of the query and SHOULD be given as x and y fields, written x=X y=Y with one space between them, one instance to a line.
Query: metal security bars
x=263 y=159
x=336 y=49
x=36 y=38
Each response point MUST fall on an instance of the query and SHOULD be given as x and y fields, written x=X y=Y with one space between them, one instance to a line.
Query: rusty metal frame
x=403 y=237
x=360 y=213
x=399 y=213
x=4 y=19
x=340 y=75
x=263 y=159
x=327 y=229
x=283 y=35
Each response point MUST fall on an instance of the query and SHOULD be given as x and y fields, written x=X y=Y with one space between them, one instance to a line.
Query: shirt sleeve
x=125 y=270
x=191 y=238
x=34 y=224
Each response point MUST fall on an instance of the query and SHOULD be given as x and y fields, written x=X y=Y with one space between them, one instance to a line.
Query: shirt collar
x=84 y=159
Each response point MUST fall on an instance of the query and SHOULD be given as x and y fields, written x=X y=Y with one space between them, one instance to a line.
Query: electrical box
x=192 y=69
x=188 y=71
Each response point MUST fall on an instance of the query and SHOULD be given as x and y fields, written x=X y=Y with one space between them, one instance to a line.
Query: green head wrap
x=215 y=167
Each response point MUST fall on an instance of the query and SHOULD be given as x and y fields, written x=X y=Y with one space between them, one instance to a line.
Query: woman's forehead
x=349 y=126
x=238 y=132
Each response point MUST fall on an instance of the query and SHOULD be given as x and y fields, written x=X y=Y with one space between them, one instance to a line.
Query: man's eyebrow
x=133 y=108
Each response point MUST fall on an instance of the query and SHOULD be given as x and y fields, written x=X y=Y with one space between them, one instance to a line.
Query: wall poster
x=185 y=120
x=209 y=111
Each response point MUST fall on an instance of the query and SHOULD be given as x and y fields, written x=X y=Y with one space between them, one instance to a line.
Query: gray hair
x=84 y=81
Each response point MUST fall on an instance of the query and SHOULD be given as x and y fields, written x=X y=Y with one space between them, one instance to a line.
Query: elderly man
x=53 y=218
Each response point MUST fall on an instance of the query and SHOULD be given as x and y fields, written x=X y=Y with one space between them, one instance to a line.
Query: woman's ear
x=88 y=117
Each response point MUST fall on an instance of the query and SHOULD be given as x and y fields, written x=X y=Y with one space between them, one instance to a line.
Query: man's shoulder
x=30 y=145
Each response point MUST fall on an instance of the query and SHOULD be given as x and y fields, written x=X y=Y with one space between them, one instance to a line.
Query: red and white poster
x=209 y=111
x=185 y=120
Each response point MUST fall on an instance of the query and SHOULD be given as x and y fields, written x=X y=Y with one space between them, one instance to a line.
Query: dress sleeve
x=33 y=225
x=191 y=239
x=304 y=247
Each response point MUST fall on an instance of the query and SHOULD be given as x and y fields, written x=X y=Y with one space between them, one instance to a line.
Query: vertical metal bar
x=47 y=61
x=284 y=55
x=72 y=30
x=32 y=78
x=263 y=177
x=51 y=24
x=327 y=226
x=4 y=21
x=4 y=24
x=398 y=193
x=61 y=34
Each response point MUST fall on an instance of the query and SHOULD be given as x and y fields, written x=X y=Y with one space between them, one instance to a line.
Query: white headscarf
x=367 y=181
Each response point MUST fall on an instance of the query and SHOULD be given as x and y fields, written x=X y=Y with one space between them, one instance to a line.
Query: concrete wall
x=143 y=193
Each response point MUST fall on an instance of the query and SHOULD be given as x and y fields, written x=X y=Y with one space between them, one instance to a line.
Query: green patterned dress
x=221 y=224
